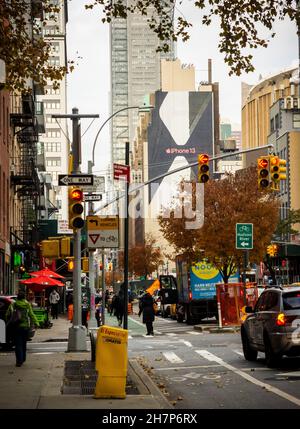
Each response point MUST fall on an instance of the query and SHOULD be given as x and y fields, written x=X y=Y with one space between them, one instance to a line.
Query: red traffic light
x=77 y=195
x=262 y=162
x=203 y=158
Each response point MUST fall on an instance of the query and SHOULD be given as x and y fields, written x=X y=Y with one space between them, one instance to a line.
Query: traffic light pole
x=92 y=321
x=77 y=333
x=126 y=242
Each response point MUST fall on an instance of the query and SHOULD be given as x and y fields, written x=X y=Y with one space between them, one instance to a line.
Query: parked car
x=273 y=327
x=5 y=302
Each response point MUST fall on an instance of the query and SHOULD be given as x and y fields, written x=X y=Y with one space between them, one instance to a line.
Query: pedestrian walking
x=85 y=311
x=146 y=307
x=54 y=299
x=20 y=318
x=118 y=306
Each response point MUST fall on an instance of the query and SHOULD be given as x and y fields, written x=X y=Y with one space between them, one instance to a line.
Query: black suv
x=273 y=327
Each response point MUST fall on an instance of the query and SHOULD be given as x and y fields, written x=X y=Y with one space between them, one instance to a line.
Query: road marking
x=44 y=353
x=172 y=357
x=194 y=333
x=212 y=358
x=187 y=367
x=187 y=343
x=172 y=335
x=290 y=374
x=238 y=352
x=129 y=337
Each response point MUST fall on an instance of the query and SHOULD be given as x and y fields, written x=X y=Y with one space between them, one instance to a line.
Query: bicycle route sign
x=102 y=232
x=244 y=236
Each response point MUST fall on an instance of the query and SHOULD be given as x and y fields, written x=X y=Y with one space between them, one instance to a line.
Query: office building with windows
x=55 y=140
x=135 y=72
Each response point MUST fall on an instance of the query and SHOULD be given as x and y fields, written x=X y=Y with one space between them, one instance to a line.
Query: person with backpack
x=19 y=318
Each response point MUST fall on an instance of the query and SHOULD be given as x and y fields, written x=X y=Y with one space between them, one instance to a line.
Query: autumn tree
x=241 y=22
x=234 y=199
x=143 y=260
x=22 y=46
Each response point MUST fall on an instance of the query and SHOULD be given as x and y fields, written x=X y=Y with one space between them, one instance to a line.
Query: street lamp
x=91 y=164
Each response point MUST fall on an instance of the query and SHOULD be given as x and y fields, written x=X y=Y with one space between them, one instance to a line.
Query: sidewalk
x=38 y=383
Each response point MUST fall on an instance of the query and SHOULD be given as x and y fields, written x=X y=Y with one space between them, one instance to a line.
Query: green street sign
x=244 y=236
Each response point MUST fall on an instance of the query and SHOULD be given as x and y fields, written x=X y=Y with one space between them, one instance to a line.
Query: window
x=260 y=303
x=53 y=133
x=54 y=61
x=53 y=104
x=53 y=162
x=291 y=301
x=53 y=147
x=296 y=120
x=271 y=301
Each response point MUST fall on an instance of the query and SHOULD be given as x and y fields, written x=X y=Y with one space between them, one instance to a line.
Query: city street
x=202 y=370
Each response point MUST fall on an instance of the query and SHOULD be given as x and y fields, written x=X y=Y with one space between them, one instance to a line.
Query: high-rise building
x=135 y=72
x=55 y=139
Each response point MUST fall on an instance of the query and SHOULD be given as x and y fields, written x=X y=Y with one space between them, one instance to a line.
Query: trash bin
x=111 y=362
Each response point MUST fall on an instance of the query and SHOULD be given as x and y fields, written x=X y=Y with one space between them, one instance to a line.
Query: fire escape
x=24 y=176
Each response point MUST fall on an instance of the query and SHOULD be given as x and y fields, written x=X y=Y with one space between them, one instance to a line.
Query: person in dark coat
x=118 y=306
x=146 y=307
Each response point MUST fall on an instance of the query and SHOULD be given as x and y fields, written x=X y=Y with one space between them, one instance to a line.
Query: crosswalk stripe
x=194 y=333
x=171 y=334
x=238 y=352
x=172 y=357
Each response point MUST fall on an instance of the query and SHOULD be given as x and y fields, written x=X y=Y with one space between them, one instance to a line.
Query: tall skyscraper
x=135 y=72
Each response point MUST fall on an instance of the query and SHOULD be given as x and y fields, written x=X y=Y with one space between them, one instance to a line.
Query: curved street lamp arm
x=104 y=123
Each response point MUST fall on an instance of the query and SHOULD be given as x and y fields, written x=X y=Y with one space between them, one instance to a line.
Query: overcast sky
x=89 y=84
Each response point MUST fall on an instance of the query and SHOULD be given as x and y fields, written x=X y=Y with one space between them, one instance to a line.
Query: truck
x=196 y=290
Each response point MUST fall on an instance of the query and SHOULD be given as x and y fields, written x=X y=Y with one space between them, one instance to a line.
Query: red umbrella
x=42 y=280
x=46 y=272
x=37 y=284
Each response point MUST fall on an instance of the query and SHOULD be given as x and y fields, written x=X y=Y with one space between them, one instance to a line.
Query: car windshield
x=291 y=300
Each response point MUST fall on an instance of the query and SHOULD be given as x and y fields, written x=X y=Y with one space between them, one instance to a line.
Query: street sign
x=75 y=179
x=98 y=185
x=121 y=171
x=92 y=197
x=244 y=236
x=102 y=232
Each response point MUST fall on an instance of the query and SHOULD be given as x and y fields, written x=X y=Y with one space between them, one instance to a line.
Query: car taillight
x=281 y=319
x=190 y=296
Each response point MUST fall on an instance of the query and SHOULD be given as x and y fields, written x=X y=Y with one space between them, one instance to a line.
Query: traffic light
x=65 y=247
x=263 y=172
x=203 y=168
x=282 y=169
x=274 y=171
x=85 y=265
x=75 y=208
x=70 y=264
x=272 y=249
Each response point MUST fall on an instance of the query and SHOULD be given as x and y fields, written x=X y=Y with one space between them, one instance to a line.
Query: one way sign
x=75 y=179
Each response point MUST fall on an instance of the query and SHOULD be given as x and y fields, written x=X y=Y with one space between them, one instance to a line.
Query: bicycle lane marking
x=213 y=358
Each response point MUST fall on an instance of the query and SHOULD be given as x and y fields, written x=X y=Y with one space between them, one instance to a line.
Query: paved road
x=203 y=370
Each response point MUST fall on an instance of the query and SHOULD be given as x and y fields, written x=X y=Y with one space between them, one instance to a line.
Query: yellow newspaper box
x=111 y=362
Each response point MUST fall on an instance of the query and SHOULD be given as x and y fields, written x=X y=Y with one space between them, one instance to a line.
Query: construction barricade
x=111 y=362
x=130 y=308
x=232 y=298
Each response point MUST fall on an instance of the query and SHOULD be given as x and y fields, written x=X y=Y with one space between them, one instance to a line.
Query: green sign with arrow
x=244 y=236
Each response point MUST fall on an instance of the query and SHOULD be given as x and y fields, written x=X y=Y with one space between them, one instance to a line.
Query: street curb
x=216 y=329
x=145 y=384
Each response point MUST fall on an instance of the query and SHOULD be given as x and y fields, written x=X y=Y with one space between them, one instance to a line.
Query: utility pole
x=92 y=321
x=126 y=239
x=77 y=333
